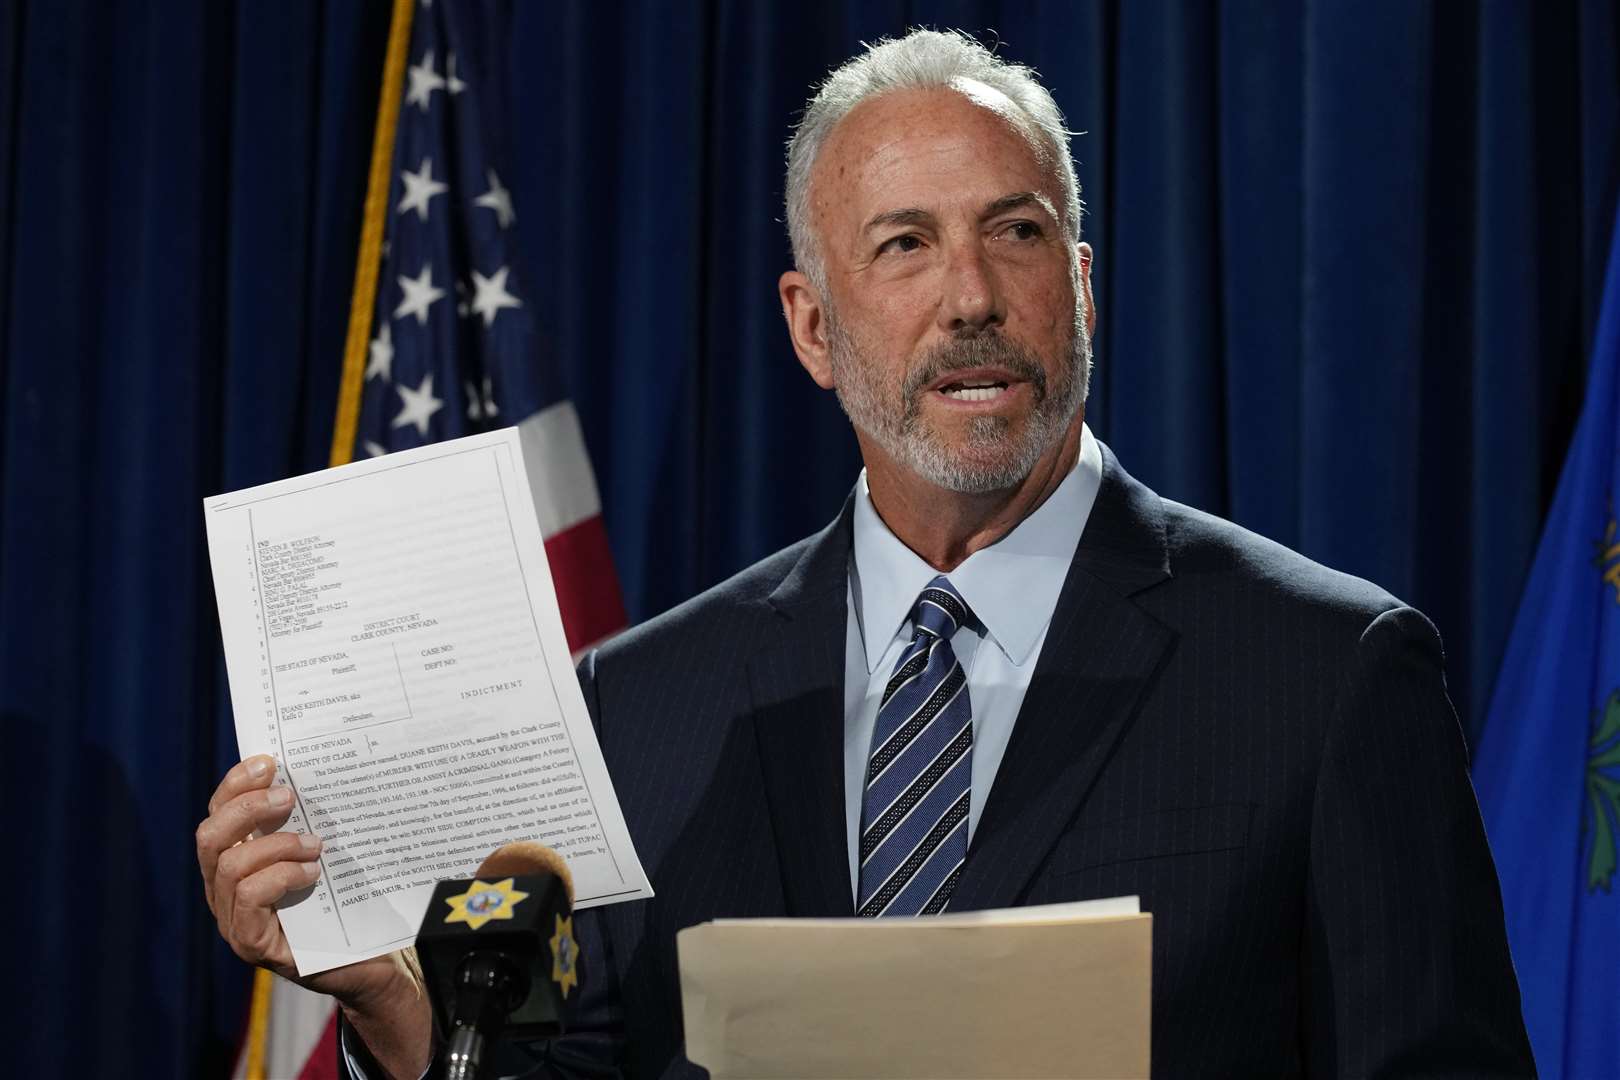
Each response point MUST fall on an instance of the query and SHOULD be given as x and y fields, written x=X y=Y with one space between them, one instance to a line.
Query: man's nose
x=972 y=299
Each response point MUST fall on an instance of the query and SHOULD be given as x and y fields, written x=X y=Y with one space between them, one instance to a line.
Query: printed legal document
x=393 y=641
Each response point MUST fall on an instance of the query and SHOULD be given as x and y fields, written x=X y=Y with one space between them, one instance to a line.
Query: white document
x=393 y=640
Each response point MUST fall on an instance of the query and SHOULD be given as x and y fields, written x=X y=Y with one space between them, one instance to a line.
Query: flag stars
x=498 y=199
x=420 y=293
x=492 y=295
x=419 y=188
x=374 y=449
x=382 y=354
x=418 y=406
x=424 y=80
x=451 y=83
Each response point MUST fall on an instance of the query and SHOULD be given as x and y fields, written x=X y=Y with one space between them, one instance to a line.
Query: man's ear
x=1083 y=260
x=807 y=326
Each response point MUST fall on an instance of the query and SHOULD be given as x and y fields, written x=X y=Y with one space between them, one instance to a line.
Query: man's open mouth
x=973 y=390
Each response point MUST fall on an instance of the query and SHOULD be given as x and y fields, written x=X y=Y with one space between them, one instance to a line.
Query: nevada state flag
x=1548 y=766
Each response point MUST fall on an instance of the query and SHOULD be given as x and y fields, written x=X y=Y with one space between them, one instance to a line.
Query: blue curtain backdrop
x=1348 y=257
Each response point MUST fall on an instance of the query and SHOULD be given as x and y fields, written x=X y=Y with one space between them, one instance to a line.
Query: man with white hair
x=1007 y=673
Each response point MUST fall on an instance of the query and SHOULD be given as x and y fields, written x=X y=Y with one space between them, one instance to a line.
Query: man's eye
x=1023 y=230
x=909 y=242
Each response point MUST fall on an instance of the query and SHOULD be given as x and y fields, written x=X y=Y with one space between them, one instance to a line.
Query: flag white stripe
x=298 y=1019
x=560 y=474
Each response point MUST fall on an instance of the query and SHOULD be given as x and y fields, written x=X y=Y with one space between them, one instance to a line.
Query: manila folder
x=1057 y=991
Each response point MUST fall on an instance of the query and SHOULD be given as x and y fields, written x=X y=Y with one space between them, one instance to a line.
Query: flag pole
x=375 y=216
x=371 y=236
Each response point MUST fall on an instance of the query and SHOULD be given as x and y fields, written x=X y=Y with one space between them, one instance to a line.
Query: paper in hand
x=393 y=640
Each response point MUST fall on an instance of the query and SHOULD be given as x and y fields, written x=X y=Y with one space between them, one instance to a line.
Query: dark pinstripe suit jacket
x=1259 y=747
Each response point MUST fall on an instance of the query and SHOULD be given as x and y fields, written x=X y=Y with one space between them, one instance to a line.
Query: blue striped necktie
x=914 y=813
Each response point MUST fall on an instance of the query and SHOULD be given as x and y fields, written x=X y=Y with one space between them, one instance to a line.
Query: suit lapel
x=797 y=683
x=1101 y=653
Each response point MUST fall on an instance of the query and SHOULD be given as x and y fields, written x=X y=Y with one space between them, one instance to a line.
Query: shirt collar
x=1012 y=585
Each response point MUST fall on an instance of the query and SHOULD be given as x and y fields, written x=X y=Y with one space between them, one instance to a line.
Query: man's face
x=955 y=327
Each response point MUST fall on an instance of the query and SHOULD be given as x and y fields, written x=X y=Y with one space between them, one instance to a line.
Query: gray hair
x=922 y=60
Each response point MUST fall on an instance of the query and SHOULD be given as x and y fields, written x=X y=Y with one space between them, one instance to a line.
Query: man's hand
x=244 y=876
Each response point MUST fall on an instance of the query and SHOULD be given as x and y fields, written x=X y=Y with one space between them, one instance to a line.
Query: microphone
x=498 y=953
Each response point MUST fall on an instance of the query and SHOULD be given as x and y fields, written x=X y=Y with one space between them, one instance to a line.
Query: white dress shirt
x=1012 y=589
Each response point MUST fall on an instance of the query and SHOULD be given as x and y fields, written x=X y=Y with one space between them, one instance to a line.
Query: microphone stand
x=489 y=988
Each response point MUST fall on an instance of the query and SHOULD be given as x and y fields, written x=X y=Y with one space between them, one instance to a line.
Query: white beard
x=994 y=457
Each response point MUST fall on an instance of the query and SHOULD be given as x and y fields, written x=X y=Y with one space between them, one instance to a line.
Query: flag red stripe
x=587 y=587
x=322 y=1063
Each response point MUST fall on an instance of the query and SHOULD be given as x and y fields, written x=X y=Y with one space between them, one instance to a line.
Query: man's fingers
x=255 y=931
x=245 y=875
x=244 y=895
x=234 y=823
x=245 y=860
x=249 y=774
x=261 y=889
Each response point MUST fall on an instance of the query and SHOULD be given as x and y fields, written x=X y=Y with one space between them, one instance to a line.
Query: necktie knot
x=940 y=609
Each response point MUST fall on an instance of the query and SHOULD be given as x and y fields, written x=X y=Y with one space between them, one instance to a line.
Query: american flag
x=453 y=348
x=453 y=351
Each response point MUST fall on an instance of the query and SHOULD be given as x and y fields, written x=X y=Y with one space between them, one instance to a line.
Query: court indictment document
x=393 y=641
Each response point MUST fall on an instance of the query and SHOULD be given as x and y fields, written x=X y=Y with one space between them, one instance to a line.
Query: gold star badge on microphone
x=484 y=901
x=564 y=956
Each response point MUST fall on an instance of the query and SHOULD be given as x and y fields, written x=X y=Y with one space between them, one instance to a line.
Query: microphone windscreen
x=527 y=857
